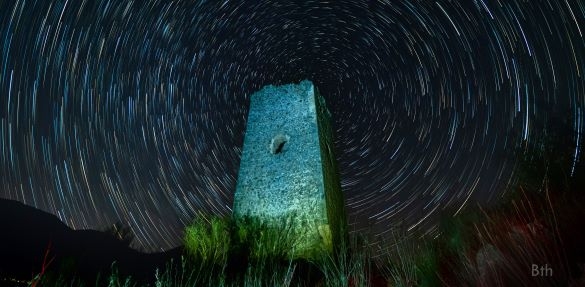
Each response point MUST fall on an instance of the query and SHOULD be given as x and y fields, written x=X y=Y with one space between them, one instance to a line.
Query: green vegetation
x=483 y=248
x=493 y=246
x=220 y=254
x=208 y=242
x=260 y=240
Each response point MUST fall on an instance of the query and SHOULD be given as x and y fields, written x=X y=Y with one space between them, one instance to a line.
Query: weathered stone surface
x=288 y=166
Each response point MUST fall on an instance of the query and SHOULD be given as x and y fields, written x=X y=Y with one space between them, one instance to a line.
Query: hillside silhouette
x=26 y=233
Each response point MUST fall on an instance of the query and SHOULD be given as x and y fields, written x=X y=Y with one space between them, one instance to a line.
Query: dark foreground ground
x=541 y=222
x=26 y=234
x=497 y=249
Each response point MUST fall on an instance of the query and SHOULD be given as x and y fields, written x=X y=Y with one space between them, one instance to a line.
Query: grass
x=480 y=248
x=535 y=225
x=208 y=243
x=493 y=247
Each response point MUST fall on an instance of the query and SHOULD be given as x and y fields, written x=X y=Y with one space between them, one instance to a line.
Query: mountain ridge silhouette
x=26 y=233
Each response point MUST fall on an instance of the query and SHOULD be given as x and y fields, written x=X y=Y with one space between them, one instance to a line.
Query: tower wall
x=288 y=169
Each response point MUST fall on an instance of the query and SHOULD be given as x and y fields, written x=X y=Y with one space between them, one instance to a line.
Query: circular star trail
x=135 y=111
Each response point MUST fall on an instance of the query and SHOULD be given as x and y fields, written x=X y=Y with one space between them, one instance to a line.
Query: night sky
x=135 y=111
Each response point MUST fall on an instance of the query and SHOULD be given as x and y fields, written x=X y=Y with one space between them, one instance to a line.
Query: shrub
x=208 y=242
x=263 y=240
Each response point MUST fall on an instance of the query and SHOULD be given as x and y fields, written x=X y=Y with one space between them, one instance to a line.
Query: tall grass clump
x=242 y=252
x=349 y=266
x=208 y=241
x=408 y=261
x=263 y=240
x=207 y=246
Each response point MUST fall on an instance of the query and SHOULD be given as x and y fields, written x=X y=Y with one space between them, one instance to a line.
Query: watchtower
x=288 y=168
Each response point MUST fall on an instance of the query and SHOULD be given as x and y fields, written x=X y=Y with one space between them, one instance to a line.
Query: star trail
x=135 y=111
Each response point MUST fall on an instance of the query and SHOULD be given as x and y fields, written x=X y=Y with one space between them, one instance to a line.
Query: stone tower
x=288 y=168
